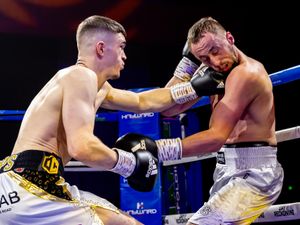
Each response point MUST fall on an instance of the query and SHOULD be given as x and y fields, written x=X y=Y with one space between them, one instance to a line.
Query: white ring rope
x=280 y=212
x=288 y=134
x=281 y=135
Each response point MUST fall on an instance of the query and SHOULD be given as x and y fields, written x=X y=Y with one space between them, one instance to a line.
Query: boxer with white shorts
x=247 y=181
x=247 y=178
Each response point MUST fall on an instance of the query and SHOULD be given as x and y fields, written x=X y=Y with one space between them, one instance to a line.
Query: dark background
x=37 y=38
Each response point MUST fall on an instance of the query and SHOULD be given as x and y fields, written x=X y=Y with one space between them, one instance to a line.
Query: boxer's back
x=42 y=128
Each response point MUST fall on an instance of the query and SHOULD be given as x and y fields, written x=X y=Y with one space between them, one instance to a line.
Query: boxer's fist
x=187 y=65
x=144 y=175
x=133 y=142
x=207 y=81
x=187 y=53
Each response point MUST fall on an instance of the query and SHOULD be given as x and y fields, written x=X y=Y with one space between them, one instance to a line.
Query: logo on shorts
x=7 y=163
x=7 y=200
x=221 y=158
x=205 y=210
x=50 y=164
x=182 y=219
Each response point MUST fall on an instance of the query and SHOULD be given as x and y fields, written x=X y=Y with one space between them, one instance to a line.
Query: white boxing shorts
x=247 y=181
x=26 y=202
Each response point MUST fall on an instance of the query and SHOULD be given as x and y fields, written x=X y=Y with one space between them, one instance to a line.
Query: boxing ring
x=277 y=212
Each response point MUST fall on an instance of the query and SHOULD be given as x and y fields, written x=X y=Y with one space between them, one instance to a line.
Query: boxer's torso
x=257 y=122
x=42 y=127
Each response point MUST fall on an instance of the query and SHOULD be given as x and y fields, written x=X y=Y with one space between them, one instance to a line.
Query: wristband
x=183 y=92
x=126 y=163
x=185 y=69
x=169 y=149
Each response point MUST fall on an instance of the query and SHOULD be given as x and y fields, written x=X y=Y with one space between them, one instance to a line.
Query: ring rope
x=280 y=212
x=288 y=134
x=281 y=136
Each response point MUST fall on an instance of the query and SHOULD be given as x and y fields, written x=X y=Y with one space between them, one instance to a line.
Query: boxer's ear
x=100 y=48
x=229 y=37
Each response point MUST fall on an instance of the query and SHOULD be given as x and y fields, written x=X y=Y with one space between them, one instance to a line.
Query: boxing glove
x=208 y=82
x=163 y=149
x=205 y=82
x=136 y=162
x=187 y=65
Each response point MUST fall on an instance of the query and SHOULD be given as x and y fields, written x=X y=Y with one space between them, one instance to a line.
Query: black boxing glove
x=187 y=65
x=141 y=172
x=205 y=82
x=163 y=149
x=208 y=82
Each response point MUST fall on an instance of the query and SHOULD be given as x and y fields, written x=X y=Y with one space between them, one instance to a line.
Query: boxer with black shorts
x=58 y=125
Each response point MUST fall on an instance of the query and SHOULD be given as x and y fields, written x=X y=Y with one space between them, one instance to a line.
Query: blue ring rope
x=277 y=78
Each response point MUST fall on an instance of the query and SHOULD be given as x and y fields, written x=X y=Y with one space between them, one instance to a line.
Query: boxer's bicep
x=78 y=109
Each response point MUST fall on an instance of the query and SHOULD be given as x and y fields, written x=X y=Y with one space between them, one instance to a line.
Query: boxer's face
x=215 y=50
x=114 y=55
